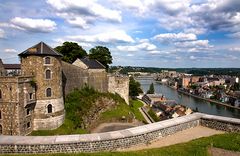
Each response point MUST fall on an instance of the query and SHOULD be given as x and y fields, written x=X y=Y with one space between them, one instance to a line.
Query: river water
x=192 y=102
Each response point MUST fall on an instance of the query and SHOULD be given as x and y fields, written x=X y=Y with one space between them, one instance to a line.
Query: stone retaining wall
x=221 y=123
x=111 y=141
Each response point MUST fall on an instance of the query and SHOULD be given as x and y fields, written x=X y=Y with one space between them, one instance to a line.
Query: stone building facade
x=34 y=100
x=17 y=102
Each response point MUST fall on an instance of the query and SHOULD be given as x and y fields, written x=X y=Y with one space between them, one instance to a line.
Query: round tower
x=45 y=64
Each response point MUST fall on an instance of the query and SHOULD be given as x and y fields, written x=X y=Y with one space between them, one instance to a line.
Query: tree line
x=71 y=51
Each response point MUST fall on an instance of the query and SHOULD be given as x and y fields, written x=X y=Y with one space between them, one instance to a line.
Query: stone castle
x=32 y=93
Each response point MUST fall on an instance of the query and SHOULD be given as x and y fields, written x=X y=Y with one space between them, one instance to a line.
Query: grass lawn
x=123 y=110
x=135 y=105
x=66 y=128
x=198 y=147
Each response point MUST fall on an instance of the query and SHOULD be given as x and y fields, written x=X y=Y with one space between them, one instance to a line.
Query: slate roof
x=12 y=66
x=92 y=64
x=40 y=49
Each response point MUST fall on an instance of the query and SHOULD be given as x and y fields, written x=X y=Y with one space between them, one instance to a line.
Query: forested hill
x=194 y=71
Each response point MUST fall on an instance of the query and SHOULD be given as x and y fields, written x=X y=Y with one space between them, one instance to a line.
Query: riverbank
x=209 y=100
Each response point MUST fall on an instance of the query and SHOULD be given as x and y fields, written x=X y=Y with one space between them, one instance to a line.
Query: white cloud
x=84 y=13
x=2 y=33
x=192 y=58
x=235 y=49
x=197 y=31
x=136 y=5
x=130 y=55
x=234 y=35
x=117 y=36
x=142 y=46
x=170 y=7
x=193 y=44
x=60 y=41
x=33 y=25
x=173 y=37
x=10 y=50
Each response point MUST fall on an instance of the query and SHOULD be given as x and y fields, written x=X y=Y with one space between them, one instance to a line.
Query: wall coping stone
x=96 y=137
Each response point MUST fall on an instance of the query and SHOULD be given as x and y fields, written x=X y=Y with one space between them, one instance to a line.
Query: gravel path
x=179 y=137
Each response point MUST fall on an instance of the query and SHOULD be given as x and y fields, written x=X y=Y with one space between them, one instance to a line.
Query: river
x=192 y=102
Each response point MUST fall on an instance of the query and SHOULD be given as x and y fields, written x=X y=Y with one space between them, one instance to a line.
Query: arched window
x=47 y=60
x=49 y=92
x=48 y=74
x=0 y=129
x=28 y=125
x=49 y=108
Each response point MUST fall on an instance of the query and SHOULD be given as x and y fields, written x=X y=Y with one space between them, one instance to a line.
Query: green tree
x=134 y=88
x=151 y=89
x=235 y=86
x=71 y=51
x=102 y=54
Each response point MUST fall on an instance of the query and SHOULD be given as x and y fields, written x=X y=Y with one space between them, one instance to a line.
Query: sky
x=150 y=33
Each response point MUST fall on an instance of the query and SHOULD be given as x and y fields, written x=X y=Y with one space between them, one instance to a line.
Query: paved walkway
x=114 y=126
x=222 y=152
x=179 y=137
x=143 y=114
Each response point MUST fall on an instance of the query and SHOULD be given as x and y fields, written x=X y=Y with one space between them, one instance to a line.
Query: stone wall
x=37 y=66
x=16 y=107
x=221 y=123
x=73 y=77
x=120 y=85
x=111 y=141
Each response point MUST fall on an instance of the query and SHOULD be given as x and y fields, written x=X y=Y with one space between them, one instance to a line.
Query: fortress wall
x=73 y=77
x=98 y=79
x=119 y=85
x=14 y=102
x=110 y=141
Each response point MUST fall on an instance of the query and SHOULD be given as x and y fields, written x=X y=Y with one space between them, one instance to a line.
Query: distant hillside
x=195 y=71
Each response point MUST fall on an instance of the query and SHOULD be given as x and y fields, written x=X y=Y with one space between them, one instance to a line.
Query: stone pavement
x=179 y=137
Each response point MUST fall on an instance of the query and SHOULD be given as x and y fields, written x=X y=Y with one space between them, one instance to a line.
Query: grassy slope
x=80 y=101
x=135 y=109
x=198 y=147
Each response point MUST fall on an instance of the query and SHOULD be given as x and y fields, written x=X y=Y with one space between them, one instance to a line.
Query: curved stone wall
x=111 y=140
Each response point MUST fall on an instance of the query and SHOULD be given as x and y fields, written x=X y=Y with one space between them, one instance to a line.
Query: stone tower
x=44 y=63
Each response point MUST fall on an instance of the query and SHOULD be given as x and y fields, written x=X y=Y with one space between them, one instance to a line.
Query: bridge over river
x=192 y=102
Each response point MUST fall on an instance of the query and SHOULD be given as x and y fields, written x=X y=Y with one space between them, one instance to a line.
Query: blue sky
x=152 y=33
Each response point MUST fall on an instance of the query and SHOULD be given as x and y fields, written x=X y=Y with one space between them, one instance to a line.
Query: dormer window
x=47 y=60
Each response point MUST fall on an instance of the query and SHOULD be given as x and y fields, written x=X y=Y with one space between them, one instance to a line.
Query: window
x=28 y=125
x=30 y=96
x=49 y=92
x=0 y=93
x=49 y=108
x=47 y=60
x=0 y=129
x=0 y=114
x=48 y=74
x=28 y=111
